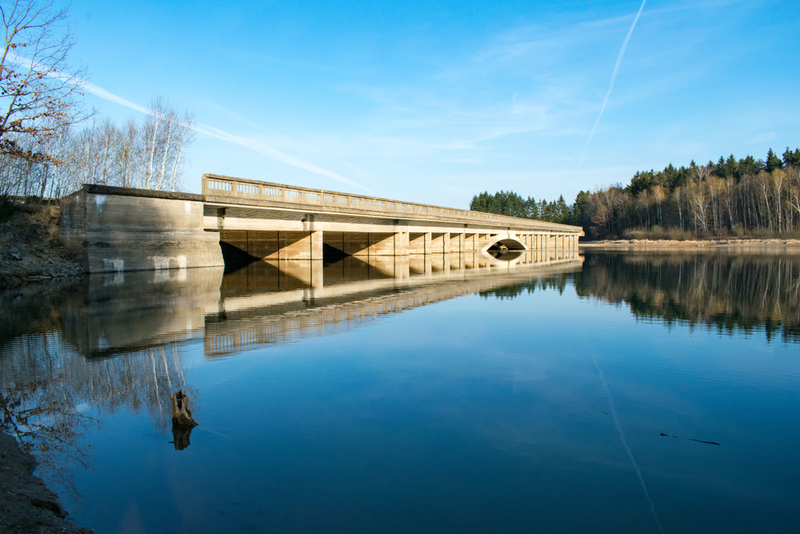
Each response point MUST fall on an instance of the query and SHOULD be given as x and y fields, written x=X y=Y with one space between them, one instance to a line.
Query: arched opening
x=501 y=243
x=507 y=244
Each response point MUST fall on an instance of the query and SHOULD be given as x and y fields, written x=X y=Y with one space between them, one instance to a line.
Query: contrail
x=272 y=153
x=625 y=444
x=613 y=77
x=199 y=128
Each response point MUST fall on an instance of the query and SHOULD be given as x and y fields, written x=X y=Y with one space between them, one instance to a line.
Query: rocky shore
x=26 y=505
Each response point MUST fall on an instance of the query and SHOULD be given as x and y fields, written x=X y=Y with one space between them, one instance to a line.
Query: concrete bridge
x=115 y=229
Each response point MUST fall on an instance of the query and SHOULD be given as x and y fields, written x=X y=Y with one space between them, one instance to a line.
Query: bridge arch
x=506 y=240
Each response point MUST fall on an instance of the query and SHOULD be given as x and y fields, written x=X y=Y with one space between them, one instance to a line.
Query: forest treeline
x=510 y=203
x=733 y=197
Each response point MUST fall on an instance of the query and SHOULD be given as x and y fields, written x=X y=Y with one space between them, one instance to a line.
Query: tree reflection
x=50 y=395
x=743 y=292
x=557 y=282
x=39 y=404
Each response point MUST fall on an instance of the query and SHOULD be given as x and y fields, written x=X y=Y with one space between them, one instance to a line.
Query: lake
x=547 y=392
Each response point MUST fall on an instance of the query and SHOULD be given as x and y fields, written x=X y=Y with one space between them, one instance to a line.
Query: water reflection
x=41 y=389
x=121 y=345
x=311 y=298
x=111 y=342
x=732 y=292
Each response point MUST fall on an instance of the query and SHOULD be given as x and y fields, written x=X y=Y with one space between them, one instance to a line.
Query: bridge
x=114 y=229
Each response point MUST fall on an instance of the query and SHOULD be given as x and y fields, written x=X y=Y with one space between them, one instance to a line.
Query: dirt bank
x=29 y=248
x=26 y=505
x=704 y=244
x=30 y=252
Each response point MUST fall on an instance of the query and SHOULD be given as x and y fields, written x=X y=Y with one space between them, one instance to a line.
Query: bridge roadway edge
x=114 y=229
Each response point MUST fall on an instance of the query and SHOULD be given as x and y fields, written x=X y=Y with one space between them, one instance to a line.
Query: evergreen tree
x=562 y=210
x=532 y=208
x=773 y=162
x=749 y=167
x=791 y=158
x=578 y=207
x=727 y=168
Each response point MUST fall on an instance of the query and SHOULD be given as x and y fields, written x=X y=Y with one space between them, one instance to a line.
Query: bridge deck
x=228 y=191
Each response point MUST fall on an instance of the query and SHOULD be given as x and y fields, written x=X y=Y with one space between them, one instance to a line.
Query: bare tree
x=38 y=89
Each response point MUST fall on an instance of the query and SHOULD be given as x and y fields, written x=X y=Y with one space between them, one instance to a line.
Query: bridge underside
x=247 y=233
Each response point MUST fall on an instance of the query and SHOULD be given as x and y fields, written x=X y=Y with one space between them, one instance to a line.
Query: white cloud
x=764 y=137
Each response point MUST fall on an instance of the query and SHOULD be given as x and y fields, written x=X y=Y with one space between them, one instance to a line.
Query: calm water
x=605 y=393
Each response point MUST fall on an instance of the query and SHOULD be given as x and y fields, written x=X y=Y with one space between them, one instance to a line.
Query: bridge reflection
x=270 y=302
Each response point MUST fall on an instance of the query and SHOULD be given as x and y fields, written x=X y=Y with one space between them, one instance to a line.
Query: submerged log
x=181 y=412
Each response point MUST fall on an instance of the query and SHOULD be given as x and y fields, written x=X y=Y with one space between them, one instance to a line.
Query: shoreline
x=27 y=505
x=718 y=244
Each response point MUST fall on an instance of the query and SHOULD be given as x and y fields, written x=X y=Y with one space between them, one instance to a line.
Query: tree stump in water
x=181 y=412
x=182 y=421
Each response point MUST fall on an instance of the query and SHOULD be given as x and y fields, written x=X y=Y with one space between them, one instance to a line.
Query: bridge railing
x=249 y=191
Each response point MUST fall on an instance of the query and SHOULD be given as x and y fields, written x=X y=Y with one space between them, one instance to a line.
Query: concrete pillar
x=456 y=244
x=316 y=249
x=401 y=244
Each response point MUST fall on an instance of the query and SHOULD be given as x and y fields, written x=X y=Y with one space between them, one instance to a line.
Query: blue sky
x=437 y=101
